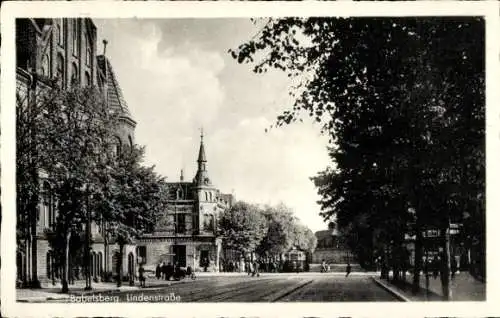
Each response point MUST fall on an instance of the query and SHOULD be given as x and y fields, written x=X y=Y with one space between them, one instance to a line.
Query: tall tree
x=31 y=157
x=130 y=200
x=242 y=227
x=279 y=237
x=63 y=134
x=79 y=140
x=394 y=97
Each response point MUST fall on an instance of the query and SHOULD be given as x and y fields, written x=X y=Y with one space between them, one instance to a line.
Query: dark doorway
x=204 y=259
x=180 y=255
x=131 y=267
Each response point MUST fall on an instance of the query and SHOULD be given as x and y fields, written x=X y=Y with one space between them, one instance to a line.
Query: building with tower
x=186 y=234
x=63 y=52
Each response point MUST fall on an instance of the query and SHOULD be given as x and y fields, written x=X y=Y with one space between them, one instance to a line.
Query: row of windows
x=75 y=26
x=60 y=65
x=60 y=73
x=210 y=198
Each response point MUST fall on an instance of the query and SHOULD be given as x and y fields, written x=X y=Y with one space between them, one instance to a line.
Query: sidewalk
x=464 y=287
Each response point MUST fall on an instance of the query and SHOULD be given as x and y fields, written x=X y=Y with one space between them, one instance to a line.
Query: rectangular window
x=141 y=251
x=181 y=223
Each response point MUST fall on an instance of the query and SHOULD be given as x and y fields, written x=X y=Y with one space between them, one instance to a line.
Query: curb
x=391 y=289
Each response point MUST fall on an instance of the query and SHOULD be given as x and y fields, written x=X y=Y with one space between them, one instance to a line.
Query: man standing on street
x=142 y=278
x=158 y=271
x=255 y=268
x=348 y=269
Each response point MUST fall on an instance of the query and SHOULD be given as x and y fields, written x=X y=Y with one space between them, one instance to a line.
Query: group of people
x=252 y=268
x=261 y=265
x=166 y=271
x=434 y=266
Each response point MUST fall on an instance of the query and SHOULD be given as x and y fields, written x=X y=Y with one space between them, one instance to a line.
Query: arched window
x=60 y=32
x=46 y=65
x=210 y=196
x=87 y=79
x=206 y=196
x=117 y=147
x=60 y=69
x=88 y=49
x=74 y=74
x=130 y=142
x=74 y=26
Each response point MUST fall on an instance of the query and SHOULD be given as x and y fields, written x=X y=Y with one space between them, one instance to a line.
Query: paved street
x=266 y=288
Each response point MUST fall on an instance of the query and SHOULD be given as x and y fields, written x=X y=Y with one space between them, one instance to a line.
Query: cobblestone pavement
x=266 y=288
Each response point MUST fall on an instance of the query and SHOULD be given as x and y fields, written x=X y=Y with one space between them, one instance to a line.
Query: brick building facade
x=65 y=50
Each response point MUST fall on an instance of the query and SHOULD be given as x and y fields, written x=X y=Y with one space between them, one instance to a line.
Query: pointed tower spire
x=201 y=154
x=201 y=175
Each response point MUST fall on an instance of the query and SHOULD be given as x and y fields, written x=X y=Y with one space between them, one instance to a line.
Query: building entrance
x=180 y=255
x=204 y=261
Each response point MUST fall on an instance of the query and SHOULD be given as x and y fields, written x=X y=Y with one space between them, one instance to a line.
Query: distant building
x=331 y=248
x=187 y=232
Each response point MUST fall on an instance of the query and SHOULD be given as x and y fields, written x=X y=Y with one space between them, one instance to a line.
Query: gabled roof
x=116 y=101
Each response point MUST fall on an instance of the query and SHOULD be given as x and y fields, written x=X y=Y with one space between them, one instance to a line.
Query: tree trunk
x=120 y=265
x=35 y=283
x=106 y=249
x=65 y=277
x=384 y=273
x=418 y=259
x=446 y=263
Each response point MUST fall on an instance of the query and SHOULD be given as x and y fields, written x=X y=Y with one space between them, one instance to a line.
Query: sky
x=177 y=77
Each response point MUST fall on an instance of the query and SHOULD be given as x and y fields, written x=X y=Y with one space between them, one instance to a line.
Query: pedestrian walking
x=255 y=269
x=248 y=267
x=190 y=273
x=323 y=266
x=164 y=271
x=435 y=268
x=169 y=271
x=158 y=271
x=142 y=277
x=205 y=265
x=347 y=269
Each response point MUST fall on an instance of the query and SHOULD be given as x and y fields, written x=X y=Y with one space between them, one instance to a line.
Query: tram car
x=296 y=261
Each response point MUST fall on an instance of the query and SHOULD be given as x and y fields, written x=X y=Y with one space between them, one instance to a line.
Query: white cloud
x=170 y=93
x=173 y=92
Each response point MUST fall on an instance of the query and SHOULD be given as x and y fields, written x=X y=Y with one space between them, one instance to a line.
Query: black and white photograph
x=270 y=159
